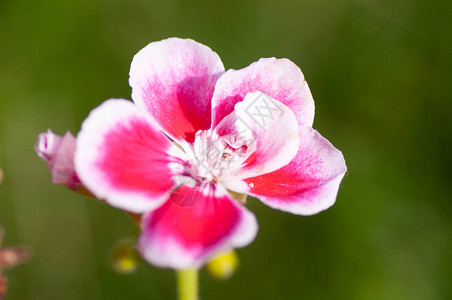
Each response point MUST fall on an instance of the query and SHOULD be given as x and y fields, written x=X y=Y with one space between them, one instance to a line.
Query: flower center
x=211 y=156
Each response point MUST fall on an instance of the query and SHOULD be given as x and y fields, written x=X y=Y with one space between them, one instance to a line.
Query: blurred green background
x=380 y=72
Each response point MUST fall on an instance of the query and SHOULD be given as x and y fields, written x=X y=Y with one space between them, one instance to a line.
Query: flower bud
x=9 y=258
x=58 y=152
x=3 y=286
x=224 y=265
x=124 y=258
x=47 y=145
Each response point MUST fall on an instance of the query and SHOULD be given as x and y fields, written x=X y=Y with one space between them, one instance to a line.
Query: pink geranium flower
x=194 y=138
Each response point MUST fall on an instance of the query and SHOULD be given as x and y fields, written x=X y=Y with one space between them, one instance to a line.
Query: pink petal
x=58 y=152
x=174 y=81
x=181 y=236
x=309 y=183
x=280 y=79
x=270 y=132
x=122 y=159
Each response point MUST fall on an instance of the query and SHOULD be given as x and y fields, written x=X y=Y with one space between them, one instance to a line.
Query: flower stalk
x=187 y=283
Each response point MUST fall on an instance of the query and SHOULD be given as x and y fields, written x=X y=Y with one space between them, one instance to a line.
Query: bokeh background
x=380 y=72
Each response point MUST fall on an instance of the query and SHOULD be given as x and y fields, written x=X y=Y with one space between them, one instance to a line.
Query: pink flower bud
x=58 y=152
x=47 y=145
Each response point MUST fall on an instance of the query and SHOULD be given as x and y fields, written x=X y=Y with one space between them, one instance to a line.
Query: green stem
x=187 y=283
